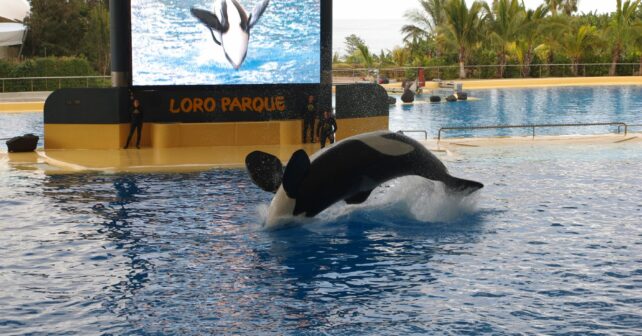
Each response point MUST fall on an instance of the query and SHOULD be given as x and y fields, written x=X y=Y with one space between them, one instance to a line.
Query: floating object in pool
x=462 y=96
x=435 y=99
x=392 y=100
x=451 y=99
x=407 y=96
x=409 y=92
x=349 y=170
x=231 y=28
x=23 y=144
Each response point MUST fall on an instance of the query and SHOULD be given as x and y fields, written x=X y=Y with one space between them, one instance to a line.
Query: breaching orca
x=231 y=28
x=349 y=170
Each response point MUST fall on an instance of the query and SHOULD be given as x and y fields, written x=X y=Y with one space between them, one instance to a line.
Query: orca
x=348 y=170
x=231 y=27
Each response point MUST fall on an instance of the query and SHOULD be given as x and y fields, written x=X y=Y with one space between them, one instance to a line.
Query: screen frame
x=325 y=53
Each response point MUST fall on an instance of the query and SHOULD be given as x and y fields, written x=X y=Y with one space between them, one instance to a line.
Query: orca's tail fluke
x=266 y=170
x=460 y=185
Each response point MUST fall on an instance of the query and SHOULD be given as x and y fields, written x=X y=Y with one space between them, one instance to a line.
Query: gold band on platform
x=157 y=135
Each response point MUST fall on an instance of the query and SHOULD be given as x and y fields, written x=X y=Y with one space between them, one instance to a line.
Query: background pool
x=14 y=124
x=552 y=246
x=571 y=105
x=494 y=107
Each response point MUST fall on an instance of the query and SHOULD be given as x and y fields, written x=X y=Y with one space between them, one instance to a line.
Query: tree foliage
x=69 y=28
x=504 y=32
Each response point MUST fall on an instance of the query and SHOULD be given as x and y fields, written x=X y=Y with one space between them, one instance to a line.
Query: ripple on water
x=184 y=254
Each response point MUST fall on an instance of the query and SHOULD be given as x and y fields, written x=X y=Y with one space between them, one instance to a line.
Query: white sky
x=386 y=9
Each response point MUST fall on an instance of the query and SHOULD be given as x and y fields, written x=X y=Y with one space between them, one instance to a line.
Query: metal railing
x=425 y=133
x=533 y=127
x=25 y=84
x=451 y=72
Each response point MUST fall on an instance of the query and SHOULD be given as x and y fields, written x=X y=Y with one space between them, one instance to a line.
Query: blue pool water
x=551 y=245
x=14 y=124
x=570 y=105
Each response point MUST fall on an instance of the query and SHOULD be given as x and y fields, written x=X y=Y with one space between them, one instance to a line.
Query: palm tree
x=637 y=41
x=621 y=30
x=567 y=7
x=462 y=28
x=529 y=35
x=400 y=56
x=549 y=32
x=576 y=41
x=505 y=21
x=368 y=60
x=426 y=20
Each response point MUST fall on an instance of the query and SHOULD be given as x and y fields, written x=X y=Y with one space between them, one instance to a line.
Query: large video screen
x=225 y=42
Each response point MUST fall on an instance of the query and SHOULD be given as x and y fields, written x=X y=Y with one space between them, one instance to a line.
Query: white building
x=12 y=31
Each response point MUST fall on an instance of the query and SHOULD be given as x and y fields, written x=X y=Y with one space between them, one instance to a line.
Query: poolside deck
x=206 y=158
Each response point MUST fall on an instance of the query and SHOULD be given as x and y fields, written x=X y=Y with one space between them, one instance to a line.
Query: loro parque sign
x=225 y=104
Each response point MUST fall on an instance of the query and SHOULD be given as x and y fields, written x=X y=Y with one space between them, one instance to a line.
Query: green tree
x=96 y=41
x=462 y=29
x=529 y=36
x=505 y=20
x=69 y=28
x=424 y=22
x=400 y=56
x=621 y=30
x=567 y=7
x=352 y=44
x=576 y=41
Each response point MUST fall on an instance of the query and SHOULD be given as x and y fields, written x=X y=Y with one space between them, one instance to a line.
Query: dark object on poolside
x=408 y=96
x=462 y=96
x=23 y=144
x=384 y=80
x=392 y=100
x=435 y=99
x=451 y=99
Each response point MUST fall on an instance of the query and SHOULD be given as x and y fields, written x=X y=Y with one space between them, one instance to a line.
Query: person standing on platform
x=327 y=128
x=136 y=123
x=308 y=119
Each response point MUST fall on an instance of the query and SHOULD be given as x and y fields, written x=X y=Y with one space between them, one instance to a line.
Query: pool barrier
x=533 y=127
x=425 y=133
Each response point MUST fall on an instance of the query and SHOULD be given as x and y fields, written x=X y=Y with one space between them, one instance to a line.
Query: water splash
x=409 y=197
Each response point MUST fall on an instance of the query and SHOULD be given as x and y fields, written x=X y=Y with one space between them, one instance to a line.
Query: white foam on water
x=407 y=197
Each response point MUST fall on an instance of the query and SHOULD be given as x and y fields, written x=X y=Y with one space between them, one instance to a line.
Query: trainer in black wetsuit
x=308 y=119
x=136 y=123
x=327 y=128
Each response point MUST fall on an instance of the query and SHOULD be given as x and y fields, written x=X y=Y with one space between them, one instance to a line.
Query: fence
x=619 y=125
x=446 y=72
x=25 y=84
x=450 y=72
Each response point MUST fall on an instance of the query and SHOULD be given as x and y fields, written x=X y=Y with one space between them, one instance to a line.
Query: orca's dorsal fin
x=359 y=197
x=257 y=12
x=265 y=170
x=295 y=172
x=211 y=20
